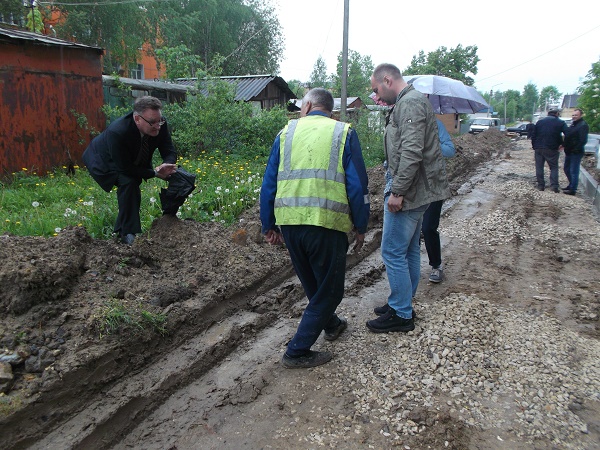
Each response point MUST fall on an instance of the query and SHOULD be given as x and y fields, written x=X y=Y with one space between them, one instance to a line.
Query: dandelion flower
x=152 y=200
x=35 y=204
x=57 y=230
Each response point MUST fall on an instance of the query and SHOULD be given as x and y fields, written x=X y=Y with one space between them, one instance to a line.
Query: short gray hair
x=386 y=69
x=320 y=97
x=146 y=102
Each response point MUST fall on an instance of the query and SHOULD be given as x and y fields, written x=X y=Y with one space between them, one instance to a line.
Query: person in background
x=431 y=218
x=575 y=139
x=315 y=191
x=529 y=129
x=122 y=156
x=418 y=177
x=547 y=141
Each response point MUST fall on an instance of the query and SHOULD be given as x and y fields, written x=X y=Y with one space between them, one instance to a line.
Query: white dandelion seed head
x=35 y=204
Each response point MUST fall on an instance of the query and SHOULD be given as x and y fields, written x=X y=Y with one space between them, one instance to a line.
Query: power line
x=539 y=56
x=107 y=3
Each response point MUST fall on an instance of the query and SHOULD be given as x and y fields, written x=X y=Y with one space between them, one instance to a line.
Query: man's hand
x=165 y=170
x=359 y=240
x=273 y=237
x=395 y=203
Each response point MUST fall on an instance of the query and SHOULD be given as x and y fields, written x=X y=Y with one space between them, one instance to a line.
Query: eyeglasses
x=160 y=123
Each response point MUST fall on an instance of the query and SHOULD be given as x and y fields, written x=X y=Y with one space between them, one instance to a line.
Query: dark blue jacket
x=114 y=151
x=576 y=137
x=547 y=133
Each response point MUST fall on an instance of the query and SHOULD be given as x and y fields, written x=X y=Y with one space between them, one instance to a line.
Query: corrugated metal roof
x=248 y=86
x=108 y=80
x=9 y=34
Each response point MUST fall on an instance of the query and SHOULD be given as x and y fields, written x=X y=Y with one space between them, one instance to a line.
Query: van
x=482 y=124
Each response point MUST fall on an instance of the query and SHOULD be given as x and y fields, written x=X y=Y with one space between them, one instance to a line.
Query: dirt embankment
x=60 y=295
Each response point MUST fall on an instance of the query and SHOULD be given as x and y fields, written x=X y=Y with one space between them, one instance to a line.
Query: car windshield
x=481 y=122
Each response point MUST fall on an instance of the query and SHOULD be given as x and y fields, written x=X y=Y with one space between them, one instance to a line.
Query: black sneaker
x=540 y=188
x=389 y=322
x=312 y=359
x=555 y=190
x=381 y=310
x=569 y=192
x=335 y=333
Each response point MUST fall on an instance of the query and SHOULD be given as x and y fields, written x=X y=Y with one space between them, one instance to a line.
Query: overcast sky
x=541 y=42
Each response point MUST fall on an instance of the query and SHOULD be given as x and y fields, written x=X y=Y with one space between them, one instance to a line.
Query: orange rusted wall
x=40 y=85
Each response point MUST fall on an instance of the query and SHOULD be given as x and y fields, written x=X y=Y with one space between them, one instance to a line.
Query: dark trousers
x=319 y=258
x=571 y=168
x=543 y=156
x=431 y=236
x=129 y=198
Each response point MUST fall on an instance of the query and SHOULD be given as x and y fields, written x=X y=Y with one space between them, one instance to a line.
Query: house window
x=137 y=72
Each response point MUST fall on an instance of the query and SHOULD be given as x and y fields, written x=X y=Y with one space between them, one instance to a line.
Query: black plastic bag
x=181 y=185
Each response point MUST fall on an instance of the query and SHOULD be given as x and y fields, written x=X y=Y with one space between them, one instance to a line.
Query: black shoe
x=128 y=239
x=335 y=333
x=389 y=322
x=540 y=188
x=568 y=188
x=555 y=190
x=568 y=192
x=312 y=359
x=381 y=310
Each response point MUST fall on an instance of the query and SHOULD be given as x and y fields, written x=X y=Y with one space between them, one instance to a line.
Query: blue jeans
x=401 y=255
x=572 y=163
x=319 y=258
x=551 y=157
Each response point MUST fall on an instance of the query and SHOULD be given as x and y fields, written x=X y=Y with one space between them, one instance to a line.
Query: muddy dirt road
x=505 y=353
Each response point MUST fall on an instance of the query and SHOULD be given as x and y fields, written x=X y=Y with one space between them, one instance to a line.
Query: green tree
x=179 y=62
x=589 y=99
x=529 y=101
x=246 y=33
x=297 y=87
x=319 y=77
x=360 y=69
x=457 y=63
x=549 y=95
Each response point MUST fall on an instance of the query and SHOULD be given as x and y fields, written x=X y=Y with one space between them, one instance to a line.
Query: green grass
x=43 y=206
x=118 y=315
x=226 y=185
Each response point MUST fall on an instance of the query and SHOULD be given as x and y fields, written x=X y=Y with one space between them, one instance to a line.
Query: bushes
x=219 y=123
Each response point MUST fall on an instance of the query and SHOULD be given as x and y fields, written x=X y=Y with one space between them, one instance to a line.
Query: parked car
x=520 y=129
x=482 y=124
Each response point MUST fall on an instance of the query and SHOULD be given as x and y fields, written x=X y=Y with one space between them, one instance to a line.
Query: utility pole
x=344 y=93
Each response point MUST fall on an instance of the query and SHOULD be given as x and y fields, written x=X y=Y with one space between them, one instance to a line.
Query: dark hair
x=578 y=109
x=320 y=97
x=386 y=69
x=146 y=102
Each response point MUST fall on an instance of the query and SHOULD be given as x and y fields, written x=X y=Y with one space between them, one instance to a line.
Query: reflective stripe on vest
x=311 y=187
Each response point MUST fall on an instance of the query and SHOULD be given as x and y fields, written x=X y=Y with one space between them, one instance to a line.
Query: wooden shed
x=50 y=100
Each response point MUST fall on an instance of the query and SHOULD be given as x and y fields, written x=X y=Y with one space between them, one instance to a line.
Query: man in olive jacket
x=412 y=150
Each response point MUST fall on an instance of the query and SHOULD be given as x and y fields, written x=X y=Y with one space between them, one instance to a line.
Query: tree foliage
x=360 y=69
x=179 y=62
x=457 y=63
x=318 y=76
x=589 y=99
x=246 y=33
x=529 y=100
x=549 y=95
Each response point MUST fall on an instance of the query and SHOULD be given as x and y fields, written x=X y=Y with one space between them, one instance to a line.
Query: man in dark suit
x=547 y=141
x=122 y=156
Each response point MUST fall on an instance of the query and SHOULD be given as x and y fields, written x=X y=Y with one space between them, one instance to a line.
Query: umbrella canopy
x=181 y=184
x=448 y=96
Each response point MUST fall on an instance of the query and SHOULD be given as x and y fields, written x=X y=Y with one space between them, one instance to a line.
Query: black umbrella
x=181 y=184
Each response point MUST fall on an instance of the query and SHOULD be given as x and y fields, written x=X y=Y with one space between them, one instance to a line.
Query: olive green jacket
x=412 y=150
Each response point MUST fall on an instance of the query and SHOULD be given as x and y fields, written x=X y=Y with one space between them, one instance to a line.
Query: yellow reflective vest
x=311 y=181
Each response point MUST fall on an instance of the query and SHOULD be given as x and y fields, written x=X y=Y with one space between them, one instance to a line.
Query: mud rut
x=225 y=388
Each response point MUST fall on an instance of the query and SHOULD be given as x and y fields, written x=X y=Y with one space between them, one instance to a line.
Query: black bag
x=181 y=184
